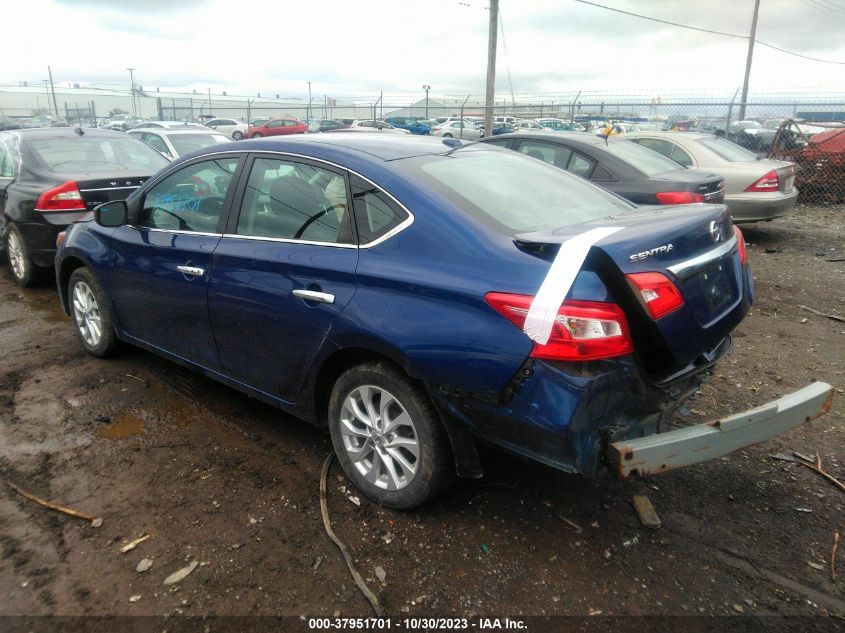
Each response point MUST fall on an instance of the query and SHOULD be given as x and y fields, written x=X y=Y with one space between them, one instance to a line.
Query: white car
x=230 y=127
x=170 y=125
x=384 y=126
x=459 y=129
x=173 y=143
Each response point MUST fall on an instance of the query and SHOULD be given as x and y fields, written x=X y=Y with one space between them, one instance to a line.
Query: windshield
x=729 y=151
x=93 y=154
x=185 y=143
x=512 y=192
x=641 y=158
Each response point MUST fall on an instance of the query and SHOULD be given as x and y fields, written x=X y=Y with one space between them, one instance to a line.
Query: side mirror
x=111 y=214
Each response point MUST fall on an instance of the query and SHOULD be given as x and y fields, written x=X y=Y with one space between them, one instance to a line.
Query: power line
x=702 y=30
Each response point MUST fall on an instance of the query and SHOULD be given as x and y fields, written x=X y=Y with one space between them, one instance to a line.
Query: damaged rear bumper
x=658 y=453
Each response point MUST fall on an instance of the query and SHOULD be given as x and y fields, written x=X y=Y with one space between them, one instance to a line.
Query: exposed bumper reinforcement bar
x=658 y=453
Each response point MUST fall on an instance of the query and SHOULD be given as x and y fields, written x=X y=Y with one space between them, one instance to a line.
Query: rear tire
x=24 y=272
x=91 y=314
x=388 y=437
x=236 y=135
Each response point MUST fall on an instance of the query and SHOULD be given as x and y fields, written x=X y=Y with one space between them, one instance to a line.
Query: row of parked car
x=416 y=295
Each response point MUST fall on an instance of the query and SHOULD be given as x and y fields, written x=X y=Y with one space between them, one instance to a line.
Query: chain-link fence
x=809 y=131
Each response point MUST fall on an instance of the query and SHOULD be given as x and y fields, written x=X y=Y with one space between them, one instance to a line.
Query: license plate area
x=713 y=290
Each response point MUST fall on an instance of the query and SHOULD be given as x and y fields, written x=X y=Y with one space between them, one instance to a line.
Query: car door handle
x=313 y=295
x=191 y=271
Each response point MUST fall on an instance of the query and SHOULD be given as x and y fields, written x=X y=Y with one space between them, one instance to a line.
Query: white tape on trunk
x=558 y=281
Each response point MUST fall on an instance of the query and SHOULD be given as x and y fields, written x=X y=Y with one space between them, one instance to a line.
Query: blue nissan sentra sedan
x=419 y=295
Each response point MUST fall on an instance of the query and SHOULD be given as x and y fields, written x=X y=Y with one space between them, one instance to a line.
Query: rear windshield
x=512 y=192
x=96 y=154
x=727 y=150
x=641 y=158
x=185 y=143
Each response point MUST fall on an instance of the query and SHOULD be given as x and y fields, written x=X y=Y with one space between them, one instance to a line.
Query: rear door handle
x=313 y=295
x=191 y=271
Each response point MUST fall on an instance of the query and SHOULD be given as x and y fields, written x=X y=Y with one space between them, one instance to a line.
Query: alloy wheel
x=17 y=258
x=380 y=438
x=86 y=313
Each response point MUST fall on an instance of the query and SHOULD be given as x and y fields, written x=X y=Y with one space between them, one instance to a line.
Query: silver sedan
x=755 y=189
x=459 y=129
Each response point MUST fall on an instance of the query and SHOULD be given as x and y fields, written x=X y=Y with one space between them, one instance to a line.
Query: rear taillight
x=660 y=295
x=678 y=197
x=769 y=182
x=740 y=245
x=583 y=330
x=65 y=197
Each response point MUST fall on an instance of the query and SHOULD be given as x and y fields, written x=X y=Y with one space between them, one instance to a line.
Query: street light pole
x=132 y=79
x=426 y=87
x=751 y=38
x=491 y=68
x=53 y=91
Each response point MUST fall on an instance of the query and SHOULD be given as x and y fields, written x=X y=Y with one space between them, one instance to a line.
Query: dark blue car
x=418 y=296
x=407 y=123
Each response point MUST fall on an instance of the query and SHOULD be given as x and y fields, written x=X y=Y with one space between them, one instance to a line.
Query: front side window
x=275 y=123
x=191 y=199
x=291 y=200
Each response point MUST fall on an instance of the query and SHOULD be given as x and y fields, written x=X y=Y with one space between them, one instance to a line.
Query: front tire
x=91 y=315
x=257 y=135
x=237 y=135
x=388 y=437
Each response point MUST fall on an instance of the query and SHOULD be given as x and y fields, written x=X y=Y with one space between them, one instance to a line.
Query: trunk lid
x=695 y=247
x=709 y=185
x=101 y=189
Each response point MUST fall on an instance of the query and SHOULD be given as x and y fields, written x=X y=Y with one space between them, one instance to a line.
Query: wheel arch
x=463 y=445
x=65 y=270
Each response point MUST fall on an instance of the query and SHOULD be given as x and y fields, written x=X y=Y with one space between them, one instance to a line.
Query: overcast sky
x=359 y=47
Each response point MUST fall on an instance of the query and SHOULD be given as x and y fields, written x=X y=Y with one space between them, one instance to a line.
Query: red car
x=276 y=127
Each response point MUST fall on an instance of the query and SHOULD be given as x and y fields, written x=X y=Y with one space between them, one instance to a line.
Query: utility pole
x=491 y=68
x=53 y=91
x=748 y=60
x=209 y=102
x=426 y=87
x=308 y=109
x=132 y=79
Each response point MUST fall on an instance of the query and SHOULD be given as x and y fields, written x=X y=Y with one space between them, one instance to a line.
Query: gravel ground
x=217 y=478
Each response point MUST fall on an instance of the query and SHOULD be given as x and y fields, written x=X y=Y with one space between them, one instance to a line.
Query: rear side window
x=729 y=151
x=375 y=213
x=191 y=199
x=296 y=201
x=680 y=156
x=580 y=165
x=551 y=153
x=96 y=154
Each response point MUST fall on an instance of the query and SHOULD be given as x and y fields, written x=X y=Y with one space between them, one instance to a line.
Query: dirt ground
x=217 y=478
